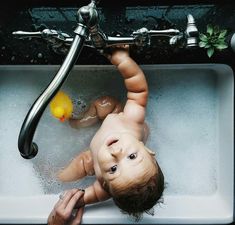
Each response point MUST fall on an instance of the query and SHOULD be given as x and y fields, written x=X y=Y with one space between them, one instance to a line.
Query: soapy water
x=181 y=113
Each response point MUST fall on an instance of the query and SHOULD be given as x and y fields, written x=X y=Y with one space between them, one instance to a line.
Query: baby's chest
x=114 y=120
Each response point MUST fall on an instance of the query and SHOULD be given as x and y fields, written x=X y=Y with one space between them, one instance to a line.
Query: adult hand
x=63 y=212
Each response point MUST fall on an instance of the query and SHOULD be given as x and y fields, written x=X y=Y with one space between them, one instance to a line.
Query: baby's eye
x=132 y=156
x=113 y=169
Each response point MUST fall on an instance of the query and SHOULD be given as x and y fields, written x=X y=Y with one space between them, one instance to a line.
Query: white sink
x=191 y=117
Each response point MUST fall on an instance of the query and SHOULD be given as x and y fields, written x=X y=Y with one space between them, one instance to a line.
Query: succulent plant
x=214 y=39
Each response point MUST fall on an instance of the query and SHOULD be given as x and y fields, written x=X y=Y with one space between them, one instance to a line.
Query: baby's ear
x=105 y=186
x=150 y=151
x=147 y=149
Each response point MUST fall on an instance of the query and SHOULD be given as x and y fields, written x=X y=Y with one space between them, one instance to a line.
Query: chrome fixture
x=87 y=33
x=60 y=41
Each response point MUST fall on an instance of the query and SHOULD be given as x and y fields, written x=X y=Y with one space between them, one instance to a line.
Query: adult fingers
x=71 y=204
x=55 y=219
x=67 y=197
x=63 y=209
x=78 y=218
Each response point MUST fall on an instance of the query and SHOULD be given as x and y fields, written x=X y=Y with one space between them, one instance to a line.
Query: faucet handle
x=191 y=32
x=48 y=34
x=143 y=36
x=25 y=34
x=59 y=41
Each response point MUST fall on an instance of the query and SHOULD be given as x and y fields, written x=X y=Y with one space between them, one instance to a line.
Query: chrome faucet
x=87 y=33
x=60 y=41
x=27 y=148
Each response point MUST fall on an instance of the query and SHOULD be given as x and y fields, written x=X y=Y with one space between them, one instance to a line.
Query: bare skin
x=98 y=110
x=117 y=152
x=62 y=211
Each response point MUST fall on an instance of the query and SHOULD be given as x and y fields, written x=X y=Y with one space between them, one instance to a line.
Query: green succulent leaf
x=209 y=29
x=220 y=40
x=203 y=37
x=221 y=46
x=208 y=45
x=222 y=33
x=210 y=52
x=202 y=44
x=216 y=30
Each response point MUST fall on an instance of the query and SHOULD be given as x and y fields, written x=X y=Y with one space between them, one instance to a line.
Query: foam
x=17 y=176
x=182 y=118
x=181 y=114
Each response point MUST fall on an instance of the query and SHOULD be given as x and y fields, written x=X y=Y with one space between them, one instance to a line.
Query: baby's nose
x=116 y=151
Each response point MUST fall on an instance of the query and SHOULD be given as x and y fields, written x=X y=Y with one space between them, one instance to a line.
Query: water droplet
x=40 y=55
x=12 y=58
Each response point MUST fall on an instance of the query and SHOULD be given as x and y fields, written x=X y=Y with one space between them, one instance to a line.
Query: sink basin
x=190 y=115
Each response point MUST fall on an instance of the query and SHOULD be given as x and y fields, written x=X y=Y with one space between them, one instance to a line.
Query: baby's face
x=123 y=157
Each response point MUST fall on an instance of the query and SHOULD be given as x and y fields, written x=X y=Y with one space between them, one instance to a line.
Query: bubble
x=40 y=55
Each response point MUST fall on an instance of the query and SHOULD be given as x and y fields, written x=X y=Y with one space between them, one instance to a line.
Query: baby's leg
x=98 y=110
x=106 y=105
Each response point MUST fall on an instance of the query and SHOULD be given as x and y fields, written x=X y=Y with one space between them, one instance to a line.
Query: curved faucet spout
x=28 y=149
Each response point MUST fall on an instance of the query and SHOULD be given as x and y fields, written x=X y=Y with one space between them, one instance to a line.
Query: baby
x=125 y=169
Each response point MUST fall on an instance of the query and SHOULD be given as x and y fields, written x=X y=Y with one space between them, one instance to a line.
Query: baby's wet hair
x=142 y=198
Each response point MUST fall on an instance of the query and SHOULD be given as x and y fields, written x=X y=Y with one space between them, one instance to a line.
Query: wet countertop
x=121 y=18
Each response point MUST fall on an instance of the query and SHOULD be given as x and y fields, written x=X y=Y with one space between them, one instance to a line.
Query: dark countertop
x=120 y=19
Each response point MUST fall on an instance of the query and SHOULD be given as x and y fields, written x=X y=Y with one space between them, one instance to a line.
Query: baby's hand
x=118 y=54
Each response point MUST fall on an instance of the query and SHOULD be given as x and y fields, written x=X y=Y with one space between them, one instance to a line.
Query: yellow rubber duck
x=61 y=106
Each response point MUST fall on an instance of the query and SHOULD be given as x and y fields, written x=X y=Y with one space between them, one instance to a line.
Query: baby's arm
x=98 y=110
x=135 y=83
x=79 y=167
x=95 y=193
